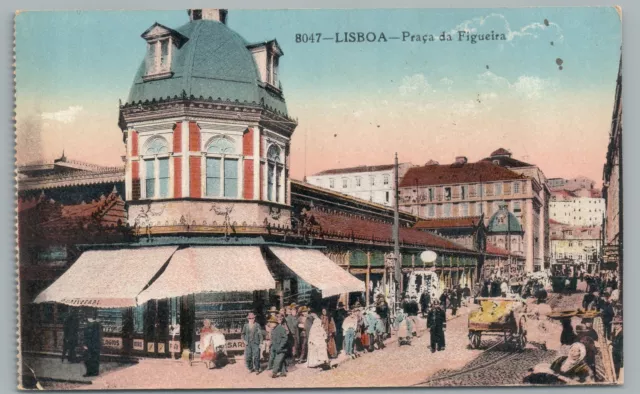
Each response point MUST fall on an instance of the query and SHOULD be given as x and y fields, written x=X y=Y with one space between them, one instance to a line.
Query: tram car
x=564 y=275
x=500 y=317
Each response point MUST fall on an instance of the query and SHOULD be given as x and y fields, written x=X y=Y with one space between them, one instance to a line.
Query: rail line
x=489 y=363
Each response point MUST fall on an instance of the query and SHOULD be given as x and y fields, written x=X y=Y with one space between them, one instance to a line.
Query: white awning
x=319 y=271
x=108 y=278
x=211 y=269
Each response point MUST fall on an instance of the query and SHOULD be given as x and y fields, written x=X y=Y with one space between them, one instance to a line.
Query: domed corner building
x=208 y=200
x=505 y=232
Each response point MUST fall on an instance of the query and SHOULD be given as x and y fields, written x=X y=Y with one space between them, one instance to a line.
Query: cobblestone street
x=493 y=364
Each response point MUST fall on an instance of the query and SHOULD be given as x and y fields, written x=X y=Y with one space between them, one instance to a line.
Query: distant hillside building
x=464 y=189
x=574 y=209
x=577 y=244
x=369 y=183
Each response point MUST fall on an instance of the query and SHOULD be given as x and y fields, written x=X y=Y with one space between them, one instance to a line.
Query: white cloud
x=64 y=116
x=416 y=83
x=527 y=86
x=530 y=30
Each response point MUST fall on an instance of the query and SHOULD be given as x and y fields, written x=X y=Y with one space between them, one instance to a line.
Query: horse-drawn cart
x=499 y=316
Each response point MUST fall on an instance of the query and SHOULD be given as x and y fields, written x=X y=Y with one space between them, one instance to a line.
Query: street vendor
x=572 y=368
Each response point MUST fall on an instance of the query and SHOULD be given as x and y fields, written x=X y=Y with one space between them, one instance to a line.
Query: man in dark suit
x=279 y=346
x=425 y=301
x=437 y=324
x=338 y=317
x=70 y=339
x=92 y=344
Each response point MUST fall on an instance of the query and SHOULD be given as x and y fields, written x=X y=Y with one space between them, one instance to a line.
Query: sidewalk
x=52 y=369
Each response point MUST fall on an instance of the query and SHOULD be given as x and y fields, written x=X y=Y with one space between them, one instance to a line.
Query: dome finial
x=211 y=14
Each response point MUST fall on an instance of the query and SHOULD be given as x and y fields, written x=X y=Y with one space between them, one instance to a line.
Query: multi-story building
x=572 y=209
x=576 y=244
x=469 y=189
x=579 y=182
x=370 y=183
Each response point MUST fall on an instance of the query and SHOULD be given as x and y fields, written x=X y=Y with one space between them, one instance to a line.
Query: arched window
x=275 y=174
x=222 y=168
x=156 y=168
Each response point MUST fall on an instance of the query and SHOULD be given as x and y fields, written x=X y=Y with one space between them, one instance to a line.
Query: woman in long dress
x=212 y=340
x=329 y=327
x=317 y=350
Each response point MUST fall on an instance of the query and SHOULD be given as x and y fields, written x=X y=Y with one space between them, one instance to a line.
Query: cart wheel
x=521 y=342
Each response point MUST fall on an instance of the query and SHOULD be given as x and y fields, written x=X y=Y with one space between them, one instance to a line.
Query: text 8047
x=308 y=38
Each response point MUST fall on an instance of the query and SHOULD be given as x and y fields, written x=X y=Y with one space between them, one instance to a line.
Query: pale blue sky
x=88 y=59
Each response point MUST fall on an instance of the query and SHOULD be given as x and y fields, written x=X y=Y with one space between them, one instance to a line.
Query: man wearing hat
x=411 y=310
x=437 y=324
x=279 y=348
x=252 y=337
x=338 y=317
x=291 y=322
x=303 y=313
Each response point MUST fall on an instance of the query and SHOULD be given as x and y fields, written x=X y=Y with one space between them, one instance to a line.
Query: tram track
x=492 y=362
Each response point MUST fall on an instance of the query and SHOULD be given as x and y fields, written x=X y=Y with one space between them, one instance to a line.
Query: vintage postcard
x=213 y=198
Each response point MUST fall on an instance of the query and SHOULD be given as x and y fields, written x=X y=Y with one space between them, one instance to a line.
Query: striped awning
x=319 y=271
x=211 y=269
x=108 y=278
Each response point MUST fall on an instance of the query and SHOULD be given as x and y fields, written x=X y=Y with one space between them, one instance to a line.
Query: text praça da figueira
x=406 y=36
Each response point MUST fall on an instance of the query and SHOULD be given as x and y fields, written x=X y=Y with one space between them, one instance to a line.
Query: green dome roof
x=503 y=218
x=213 y=62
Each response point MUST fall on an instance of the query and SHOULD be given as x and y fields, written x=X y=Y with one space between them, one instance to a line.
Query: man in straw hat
x=252 y=337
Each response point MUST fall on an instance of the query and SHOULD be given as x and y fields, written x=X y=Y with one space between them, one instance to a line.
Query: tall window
x=221 y=168
x=432 y=210
x=430 y=194
x=345 y=183
x=358 y=181
x=447 y=193
x=158 y=59
x=463 y=192
x=372 y=180
x=464 y=209
x=386 y=179
x=516 y=188
x=275 y=174
x=516 y=206
x=332 y=183
x=447 y=210
x=156 y=168
x=498 y=189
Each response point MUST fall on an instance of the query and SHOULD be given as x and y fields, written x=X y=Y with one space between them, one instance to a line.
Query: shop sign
x=174 y=346
x=138 y=344
x=235 y=345
x=151 y=347
x=161 y=347
x=112 y=343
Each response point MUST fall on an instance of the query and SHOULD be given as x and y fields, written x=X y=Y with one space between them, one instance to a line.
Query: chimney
x=461 y=160
x=211 y=14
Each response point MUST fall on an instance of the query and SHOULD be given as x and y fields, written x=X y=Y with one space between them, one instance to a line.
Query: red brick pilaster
x=194 y=177
x=135 y=180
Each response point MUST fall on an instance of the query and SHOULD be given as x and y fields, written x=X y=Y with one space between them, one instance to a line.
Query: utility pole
x=396 y=233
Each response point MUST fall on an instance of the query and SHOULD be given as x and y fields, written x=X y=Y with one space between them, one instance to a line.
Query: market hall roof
x=443 y=174
x=440 y=223
x=211 y=61
x=64 y=172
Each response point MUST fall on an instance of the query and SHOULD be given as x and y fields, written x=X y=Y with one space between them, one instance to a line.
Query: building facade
x=470 y=189
x=575 y=210
x=576 y=245
x=612 y=190
x=370 y=183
